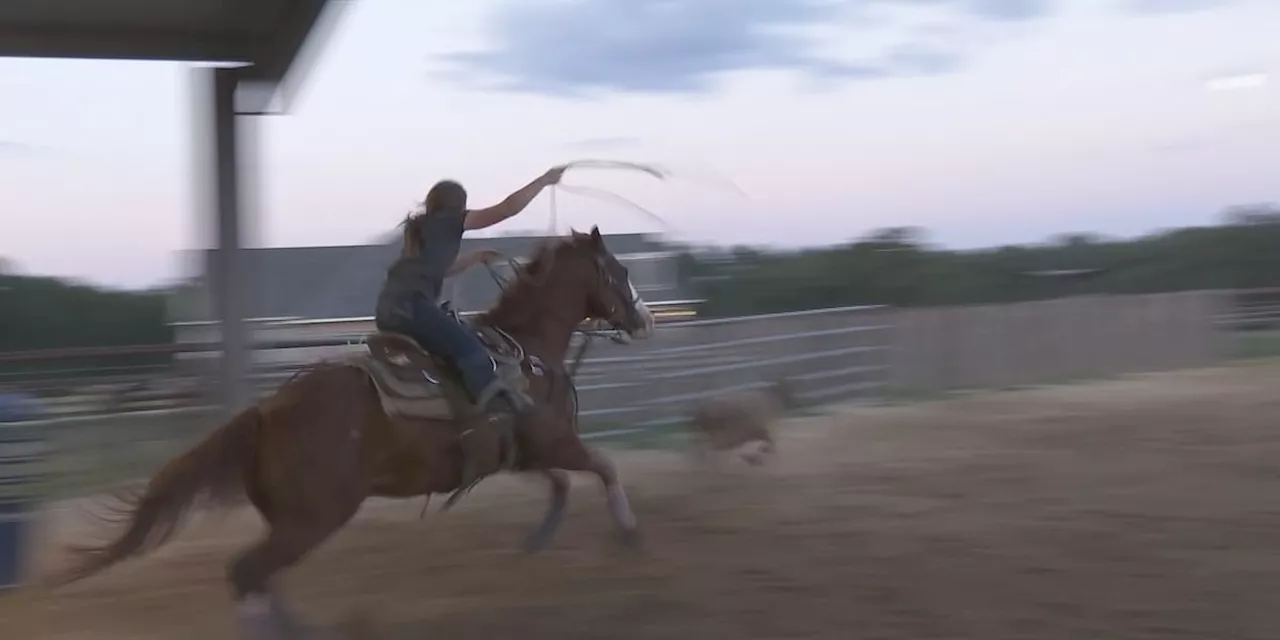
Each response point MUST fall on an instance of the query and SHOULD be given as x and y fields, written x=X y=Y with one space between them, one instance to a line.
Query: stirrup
x=458 y=493
x=470 y=477
x=509 y=460
x=508 y=464
x=519 y=402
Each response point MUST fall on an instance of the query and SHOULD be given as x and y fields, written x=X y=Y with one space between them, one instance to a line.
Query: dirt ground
x=1142 y=508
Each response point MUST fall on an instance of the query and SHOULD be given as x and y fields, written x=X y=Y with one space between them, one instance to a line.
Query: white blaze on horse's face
x=642 y=310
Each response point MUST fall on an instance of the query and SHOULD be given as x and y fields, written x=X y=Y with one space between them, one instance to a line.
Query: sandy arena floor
x=1145 y=508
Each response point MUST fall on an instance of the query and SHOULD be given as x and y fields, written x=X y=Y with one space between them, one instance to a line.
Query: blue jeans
x=441 y=335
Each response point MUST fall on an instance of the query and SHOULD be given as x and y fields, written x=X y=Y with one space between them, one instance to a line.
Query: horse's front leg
x=572 y=454
x=556 y=507
x=619 y=505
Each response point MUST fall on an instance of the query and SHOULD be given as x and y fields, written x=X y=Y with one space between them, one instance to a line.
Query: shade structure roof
x=266 y=34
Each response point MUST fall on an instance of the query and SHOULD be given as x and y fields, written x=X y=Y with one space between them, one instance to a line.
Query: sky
x=782 y=122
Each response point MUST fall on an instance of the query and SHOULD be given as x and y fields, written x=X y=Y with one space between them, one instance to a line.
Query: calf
x=731 y=420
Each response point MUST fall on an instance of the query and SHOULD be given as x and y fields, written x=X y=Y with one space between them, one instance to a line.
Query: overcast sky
x=984 y=121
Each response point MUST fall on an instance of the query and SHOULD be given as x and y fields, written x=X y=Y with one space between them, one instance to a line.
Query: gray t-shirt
x=441 y=240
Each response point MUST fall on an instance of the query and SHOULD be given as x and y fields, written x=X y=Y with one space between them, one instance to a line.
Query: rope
x=591 y=192
x=553 y=218
x=604 y=194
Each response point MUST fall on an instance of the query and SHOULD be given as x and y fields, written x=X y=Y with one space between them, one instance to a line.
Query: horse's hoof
x=271 y=628
x=537 y=541
x=357 y=626
x=289 y=627
x=533 y=544
x=631 y=539
x=262 y=628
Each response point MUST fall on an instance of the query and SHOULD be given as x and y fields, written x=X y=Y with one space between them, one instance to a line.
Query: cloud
x=18 y=151
x=1164 y=7
x=1237 y=82
x=585 y=47
x=12 y=150
x=1180 y=146
x=604 y=142
x=1006 y=10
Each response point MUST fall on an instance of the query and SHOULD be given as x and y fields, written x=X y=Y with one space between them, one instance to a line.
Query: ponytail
x=411 y=238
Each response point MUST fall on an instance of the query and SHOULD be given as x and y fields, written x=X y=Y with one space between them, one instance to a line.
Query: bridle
x=604 y=281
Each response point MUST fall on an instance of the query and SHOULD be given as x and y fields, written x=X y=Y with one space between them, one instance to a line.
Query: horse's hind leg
x=555 y=511
x=288 y=541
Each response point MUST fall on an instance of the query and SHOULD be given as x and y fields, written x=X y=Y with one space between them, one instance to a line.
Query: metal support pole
x=226 y=277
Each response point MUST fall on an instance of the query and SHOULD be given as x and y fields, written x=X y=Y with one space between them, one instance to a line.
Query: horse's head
x=611 y=297
x=575 y=275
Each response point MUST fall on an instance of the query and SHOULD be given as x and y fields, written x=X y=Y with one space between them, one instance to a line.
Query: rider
x=409 y=301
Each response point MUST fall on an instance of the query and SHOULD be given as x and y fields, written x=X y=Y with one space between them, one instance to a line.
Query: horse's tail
x=211 y=472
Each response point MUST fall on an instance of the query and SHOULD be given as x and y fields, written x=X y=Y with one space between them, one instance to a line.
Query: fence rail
x=838 y=354
x=842 y=354
x=1253 y=310
x=935 y=349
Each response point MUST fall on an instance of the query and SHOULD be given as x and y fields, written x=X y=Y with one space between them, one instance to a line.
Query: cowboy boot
x=504 y=406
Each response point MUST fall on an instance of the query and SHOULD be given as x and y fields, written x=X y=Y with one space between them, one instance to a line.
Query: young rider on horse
x=409 y=302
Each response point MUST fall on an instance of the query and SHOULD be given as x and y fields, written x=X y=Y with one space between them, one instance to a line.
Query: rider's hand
x=553 y=175
x=487 y=256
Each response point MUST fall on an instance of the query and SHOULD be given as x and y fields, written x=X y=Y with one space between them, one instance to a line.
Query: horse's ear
x=596 y=238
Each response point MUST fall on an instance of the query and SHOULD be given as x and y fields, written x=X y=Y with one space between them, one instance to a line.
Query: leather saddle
x=414 y=383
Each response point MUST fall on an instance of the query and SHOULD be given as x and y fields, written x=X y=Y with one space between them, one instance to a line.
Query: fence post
x=22 y=452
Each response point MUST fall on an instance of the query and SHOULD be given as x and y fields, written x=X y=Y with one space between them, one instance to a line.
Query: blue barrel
x=22 y=456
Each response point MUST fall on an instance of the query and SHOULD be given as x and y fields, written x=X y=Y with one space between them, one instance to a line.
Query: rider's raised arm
x=512 y=204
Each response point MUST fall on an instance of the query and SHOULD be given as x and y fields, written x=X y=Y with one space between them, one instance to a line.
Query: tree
x=894 y=266
x=1252 y=215
x=47 y=313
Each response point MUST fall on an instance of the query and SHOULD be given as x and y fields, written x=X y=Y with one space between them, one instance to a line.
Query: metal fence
x=1253 y=310
x=838 y=354
x=842 y=354
x=1083 y=337
x=833 y=354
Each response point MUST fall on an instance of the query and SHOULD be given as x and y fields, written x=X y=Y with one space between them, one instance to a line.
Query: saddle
x=413 y=383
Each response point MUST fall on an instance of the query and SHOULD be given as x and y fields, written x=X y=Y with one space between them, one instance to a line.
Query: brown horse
x=308 y=455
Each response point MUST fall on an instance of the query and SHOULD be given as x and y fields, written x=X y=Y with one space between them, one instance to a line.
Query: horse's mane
x=530 y=279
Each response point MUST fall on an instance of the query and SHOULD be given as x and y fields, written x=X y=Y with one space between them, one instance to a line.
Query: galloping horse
x=309 y=454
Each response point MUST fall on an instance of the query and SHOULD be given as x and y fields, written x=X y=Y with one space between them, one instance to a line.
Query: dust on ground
x=1142 y=508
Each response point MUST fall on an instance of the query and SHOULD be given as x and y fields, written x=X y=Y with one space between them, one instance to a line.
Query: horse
x=310 y=453
x=731 y=420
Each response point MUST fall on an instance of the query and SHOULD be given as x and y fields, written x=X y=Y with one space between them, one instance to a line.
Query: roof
x=266 y=34
x=343 y=282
